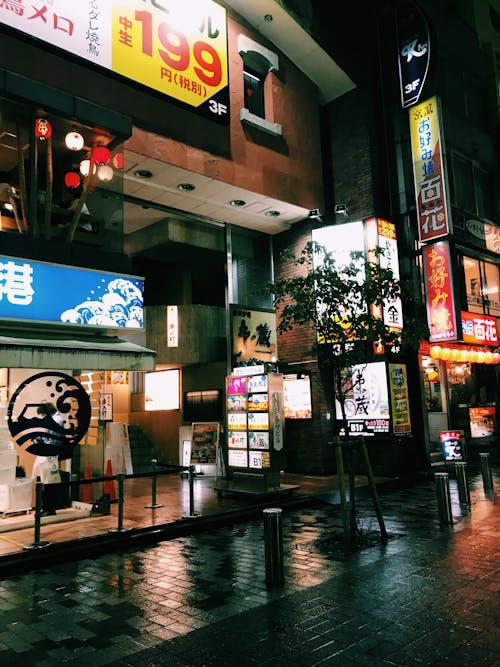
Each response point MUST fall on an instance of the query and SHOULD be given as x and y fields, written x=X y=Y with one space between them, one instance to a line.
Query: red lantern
x=118 y=161
x=101 y=154
x=43 y=129
x=72 y=179
x=496 y=358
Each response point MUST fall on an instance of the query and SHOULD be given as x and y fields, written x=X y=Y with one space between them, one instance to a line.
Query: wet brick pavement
x=430 y=596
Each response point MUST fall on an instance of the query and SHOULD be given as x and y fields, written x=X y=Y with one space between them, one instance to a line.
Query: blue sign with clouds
x=42 y=292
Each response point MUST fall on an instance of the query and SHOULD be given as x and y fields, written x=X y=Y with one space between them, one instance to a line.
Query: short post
x=462 y=482
x=121 y=481
x=191 y=490
x=273 y=545
x=443 y=498
x=37 y=544
x=153 y=505
x=484 y=459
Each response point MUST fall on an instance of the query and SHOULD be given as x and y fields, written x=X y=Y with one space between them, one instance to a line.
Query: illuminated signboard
x=254 y=336
x=297 y=397
x=161 y=390
x=367 y=401
x=428 y=171
x=382 y=234
x=441 y=313
x=52 y=293
x=414 y=51
x=479 y=329
x=363 y=237
x=175 y=47
x=400 y=399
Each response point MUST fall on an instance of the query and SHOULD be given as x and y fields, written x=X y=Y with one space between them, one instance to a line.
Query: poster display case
x=255 y=421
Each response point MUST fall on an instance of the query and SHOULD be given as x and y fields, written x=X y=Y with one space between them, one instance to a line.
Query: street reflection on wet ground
x=427 y=596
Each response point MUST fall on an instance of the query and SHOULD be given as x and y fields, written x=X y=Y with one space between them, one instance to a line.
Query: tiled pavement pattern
x=428 y=597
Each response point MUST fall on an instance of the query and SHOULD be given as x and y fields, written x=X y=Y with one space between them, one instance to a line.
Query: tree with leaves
x=345 y=305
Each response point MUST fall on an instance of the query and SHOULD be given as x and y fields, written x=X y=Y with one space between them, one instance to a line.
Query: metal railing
x=158 y=469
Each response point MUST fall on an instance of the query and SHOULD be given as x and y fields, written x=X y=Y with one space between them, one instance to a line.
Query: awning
x=68 y=352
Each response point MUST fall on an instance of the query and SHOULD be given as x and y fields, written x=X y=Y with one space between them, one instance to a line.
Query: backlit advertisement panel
x=441 y=315
x=175 y=47
x=53 y=293
x=429 y=171
x=367 y=401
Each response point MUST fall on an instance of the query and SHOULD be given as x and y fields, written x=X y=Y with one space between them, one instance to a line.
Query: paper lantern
x=445 y=353
x=480 y=357
x=488 y=357
x=72 y=179
x=74 y=141
x=104 y=173
x=472 y=356
x=118 y=161
x=496 y=357
x=463 y=355
x=101 y=154
x=43 y=129
x=454 y=354
x=435 y=352
x=85 y=166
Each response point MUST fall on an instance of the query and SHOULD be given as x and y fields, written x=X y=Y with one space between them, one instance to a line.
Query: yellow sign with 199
x=176 y=47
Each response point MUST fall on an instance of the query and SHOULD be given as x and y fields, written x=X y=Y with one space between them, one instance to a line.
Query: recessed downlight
x=143 y=173
x=185 y=187
x=272 y=214
x=237 y=202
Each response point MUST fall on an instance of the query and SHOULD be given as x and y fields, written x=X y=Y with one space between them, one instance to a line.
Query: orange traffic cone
x=109 y=486
x=87 y=493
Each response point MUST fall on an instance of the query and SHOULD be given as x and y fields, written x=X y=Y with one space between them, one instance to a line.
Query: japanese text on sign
x=439 y=290
x=174 y=47
x=430 y=192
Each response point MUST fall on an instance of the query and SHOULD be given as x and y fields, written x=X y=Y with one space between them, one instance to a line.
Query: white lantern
x=105 y=173
x=74 y=141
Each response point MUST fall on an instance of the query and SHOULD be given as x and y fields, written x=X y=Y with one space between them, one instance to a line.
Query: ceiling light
x=237 y=202
x=142 y=173
x=185 y=187
x=268 y=17
x=272 y=214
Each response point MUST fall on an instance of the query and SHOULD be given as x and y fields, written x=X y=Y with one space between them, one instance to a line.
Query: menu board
x=254 y=422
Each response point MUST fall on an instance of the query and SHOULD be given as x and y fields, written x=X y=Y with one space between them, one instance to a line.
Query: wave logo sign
x=48 y=414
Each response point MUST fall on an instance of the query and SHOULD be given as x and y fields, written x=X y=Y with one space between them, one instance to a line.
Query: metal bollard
x=443 y=498
x=121 y=481
x=273 y=546
x=462 y=482
x=37 y=544
x=153 y=505
x=484 y=459
x=191 y=490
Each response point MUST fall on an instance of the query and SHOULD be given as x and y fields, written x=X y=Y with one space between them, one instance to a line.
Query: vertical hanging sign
x=441 y=314
x=413 y=51
x=172 y=327
x=428 y=171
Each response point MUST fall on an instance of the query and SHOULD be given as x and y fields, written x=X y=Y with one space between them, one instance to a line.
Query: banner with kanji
x=428 y=171
x=441 y=312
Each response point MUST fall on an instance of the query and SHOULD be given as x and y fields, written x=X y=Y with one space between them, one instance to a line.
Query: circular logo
x=48 y=414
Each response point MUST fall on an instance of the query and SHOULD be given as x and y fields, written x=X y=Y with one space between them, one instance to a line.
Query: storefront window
x=482 y=282
x=43 y=189
x=434 y=396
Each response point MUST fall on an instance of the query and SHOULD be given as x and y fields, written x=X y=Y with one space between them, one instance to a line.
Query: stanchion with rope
x=37 y=543
x=153 y=505
x=121 y=481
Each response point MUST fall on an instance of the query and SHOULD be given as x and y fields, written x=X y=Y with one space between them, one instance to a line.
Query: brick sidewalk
x=429 y=596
